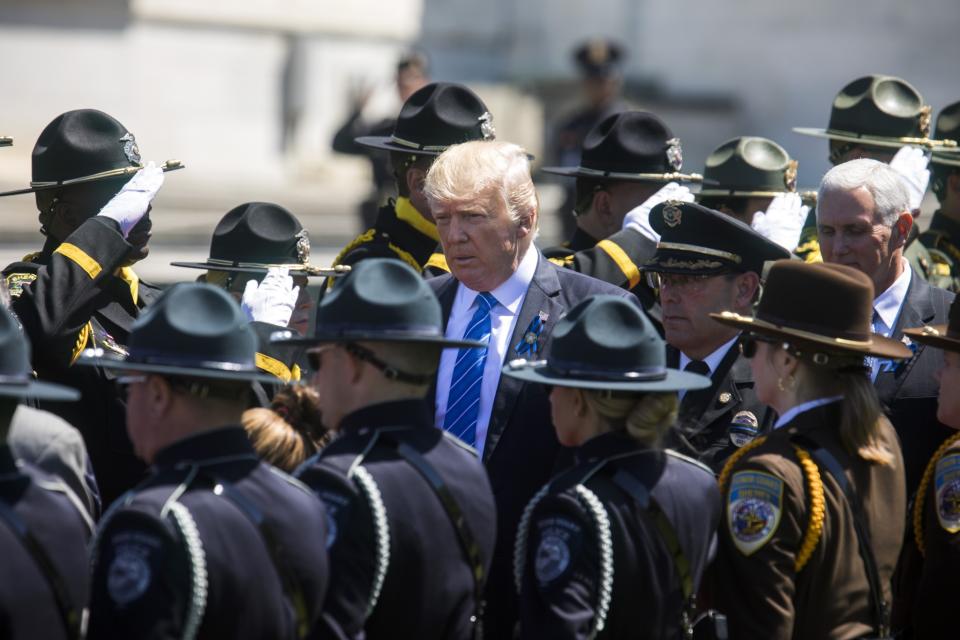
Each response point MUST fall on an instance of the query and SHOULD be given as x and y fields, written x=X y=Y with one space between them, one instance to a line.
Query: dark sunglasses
x=748 y=344
x=315 y=357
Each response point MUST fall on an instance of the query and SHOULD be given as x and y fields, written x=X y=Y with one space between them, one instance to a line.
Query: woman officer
x=814 y=512
x=615 y=547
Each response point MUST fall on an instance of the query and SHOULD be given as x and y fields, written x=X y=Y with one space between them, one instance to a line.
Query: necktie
x=693 y=398
x=463 y=402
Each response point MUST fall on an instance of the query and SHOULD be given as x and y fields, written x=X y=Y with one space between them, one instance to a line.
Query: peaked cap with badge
x=696 y=240
x=82 y=146
x=599 y=58
x=435 y=117
x=881 y=111
x=948 y=127
x=749 y=166
x=633 y=146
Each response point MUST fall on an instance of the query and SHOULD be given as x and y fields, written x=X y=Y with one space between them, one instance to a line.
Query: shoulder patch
x=130 y=574
x=17 y=281
x=560 y=539
x=947 y=491
x=754 y=507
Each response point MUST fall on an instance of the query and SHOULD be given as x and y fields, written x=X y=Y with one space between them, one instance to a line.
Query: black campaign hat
x=255 y=236
x=881 y=111
x=381 y=300
x=599 y=58
x=749 y=166
x=634 y=146
x=194 y=330
x=16 y=375
x=81 y=146
x=606 y=343
x=435 y=117
x=948 y=126
x=696 y=240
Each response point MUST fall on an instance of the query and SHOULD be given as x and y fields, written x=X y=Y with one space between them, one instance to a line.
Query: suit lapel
x=917 y=310
x=446 y=293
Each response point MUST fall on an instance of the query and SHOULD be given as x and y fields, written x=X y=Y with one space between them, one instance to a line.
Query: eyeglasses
x=122 y=382
x=748 y=344
x=315 y=356
x=686 y=283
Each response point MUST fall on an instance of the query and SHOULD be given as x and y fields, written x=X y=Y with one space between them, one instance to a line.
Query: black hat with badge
x=435 y=117
x=82 y=146
x=633 y=146
x=194 y=330
x=948 y=126
x=255 y=236
x=16 y=374
x=695 y=240
x=599 y=58
x=606 y=343
x=749 y=166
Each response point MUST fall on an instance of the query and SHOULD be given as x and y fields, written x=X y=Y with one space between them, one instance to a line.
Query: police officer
x=708 y=261
x=437 y=116
x=412 y=517
x=44 y=529
x=629 y=159
x=815 y=510
x=80 y=291
x=943 y=235
x=214 y=543
x=629 y=517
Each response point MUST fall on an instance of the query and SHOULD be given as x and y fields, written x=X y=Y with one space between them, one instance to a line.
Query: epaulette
x=922 y=491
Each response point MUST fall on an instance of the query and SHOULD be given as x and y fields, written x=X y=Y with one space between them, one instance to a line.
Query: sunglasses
x=748 y=344
x=123 y=382
x=315 y=356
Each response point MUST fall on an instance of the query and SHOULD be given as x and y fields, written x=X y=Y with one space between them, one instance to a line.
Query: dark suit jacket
x=521 y=450
x=908 y=389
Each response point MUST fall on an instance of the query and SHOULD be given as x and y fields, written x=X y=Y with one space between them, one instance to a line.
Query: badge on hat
x=129 y=574
x=790 y=175
x=926 y=111
x=753 y=509
x=303 y=246
x=486 y=126
x=674 y=153
x=743 y=428
x=130 y=148
x=672 y=214
x=947 y=491
x=557 y=537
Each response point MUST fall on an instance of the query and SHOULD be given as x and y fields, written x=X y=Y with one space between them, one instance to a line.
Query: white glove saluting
x=272 y=300
x=911 y=163
x=638 y=219
x=132 y=202
x=783 y=220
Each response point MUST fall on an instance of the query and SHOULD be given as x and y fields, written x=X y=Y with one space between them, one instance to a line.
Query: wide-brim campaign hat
x=697 y=240
x=194 y=330
x=747 y=167
x=948 y=126
x=380 y=300
x=599 y=57
x=633 y=146
x=16 y=374
x=435 y=117
x=880 y=111
x=606 y=343
x=824 y=305
x=942 y=336
x=83 y=146
x=255 y=236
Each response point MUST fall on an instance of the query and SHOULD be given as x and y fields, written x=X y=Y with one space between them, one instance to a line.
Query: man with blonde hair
x=501 y=292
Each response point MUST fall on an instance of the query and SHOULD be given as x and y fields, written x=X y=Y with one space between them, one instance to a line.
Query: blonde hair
x=290 y=431
x=645 y=417
x=485 y=168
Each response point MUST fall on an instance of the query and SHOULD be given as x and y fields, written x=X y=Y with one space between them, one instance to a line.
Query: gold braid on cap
x=817 y=509
x=922 y=492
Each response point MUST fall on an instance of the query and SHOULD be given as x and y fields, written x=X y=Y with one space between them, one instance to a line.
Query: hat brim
x=877 y=345
x=40 y=391
x=386 y=143
x=541 y=373
x=169 y=165
x=121 y=364
x=949 y=158
x=935 y=336
x=875 y=141
x=294 y=269
x=582 y=172
x=6 y=142
x=292 y=339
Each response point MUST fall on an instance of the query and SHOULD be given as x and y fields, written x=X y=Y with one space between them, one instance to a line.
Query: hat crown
x=630 y=142
x=748 y=163
x=257 y=232
x=606 y=334
x=443 y=114
x=877 y=105
x=81 y=143
x=14 y=348
x=948 y=123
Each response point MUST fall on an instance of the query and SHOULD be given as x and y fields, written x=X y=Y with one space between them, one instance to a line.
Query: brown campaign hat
x=942 y=336
x=822 y=305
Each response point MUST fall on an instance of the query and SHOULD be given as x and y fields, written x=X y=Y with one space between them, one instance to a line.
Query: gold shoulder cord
x=86 y=331
x=735 y=458
x=922 y=492
x=363 y=238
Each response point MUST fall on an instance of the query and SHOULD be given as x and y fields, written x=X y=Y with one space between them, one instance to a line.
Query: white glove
x=272 y=300
x=783 y=220
x=638 y=218
x=132 y=202
x=911 y=163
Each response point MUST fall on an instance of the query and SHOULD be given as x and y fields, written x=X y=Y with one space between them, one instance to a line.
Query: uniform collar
x=714 y=359
x=803 y=407
x=406 y=413
x=581 y=240
x=408 y=213
x=604 y=446
x=230 y=441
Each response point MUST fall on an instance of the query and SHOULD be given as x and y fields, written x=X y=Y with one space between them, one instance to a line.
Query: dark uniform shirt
x=213 y=540
x=43 y=588
x=398 y=566
x=69 y=297
x=942 y=240
x=401 y=232
x=587 y=540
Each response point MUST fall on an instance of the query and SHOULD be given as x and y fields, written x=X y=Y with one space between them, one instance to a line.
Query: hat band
x=801 y=329
x=417 y=146
x=675 y=175
x=169 y=165
x=21 y=380
x=866 y=137
x=150 y=357
x=692 y=248
x=585 y=371
x=370 y=332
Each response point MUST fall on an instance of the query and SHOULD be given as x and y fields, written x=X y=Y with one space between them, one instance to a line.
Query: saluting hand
x=783 y=220
x=639 y=218
x=133 y=201
x=272 y=300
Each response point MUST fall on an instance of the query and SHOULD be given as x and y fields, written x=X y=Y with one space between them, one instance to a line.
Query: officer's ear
x=901 y=229
x=415 y=177
x=158 y=396
x=603 y=205
x=746 y=287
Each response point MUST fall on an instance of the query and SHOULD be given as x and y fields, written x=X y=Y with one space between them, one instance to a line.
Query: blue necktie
x=463 y=402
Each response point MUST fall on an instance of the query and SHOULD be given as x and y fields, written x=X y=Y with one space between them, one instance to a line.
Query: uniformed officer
x=872 y=117
x=437 y=116
x=411 y=511
x=260 y=253
x=629 y=159
x=707 y=261
x=815 y=510
x=629 y=517
x=924 y=607
x=80 y=290
x=943 y=235
x=44 y=529
x=214 y=543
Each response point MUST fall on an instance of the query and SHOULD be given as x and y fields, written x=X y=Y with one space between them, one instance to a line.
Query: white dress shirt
x=503 y=319
x=713 y=360
x=793 y=412
x=886 y=310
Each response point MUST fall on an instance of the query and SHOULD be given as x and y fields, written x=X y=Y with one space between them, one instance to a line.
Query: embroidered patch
x=336 y=505
x=753 y=509
x=129 y=574
x=947 y=490
x=17 y=281
x=557 y=537
x=743 y=428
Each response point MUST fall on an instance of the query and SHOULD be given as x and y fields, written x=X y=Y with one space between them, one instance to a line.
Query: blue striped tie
x=463 y=403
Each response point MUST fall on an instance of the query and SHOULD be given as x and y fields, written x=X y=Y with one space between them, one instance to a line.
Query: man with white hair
x=863 y=221
x=503 y=292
